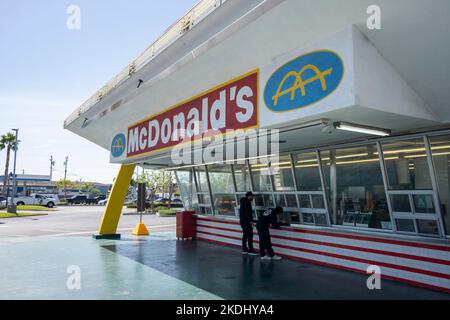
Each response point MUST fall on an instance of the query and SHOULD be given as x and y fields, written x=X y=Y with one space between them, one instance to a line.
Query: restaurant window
x=186 y=185
x=440 y=149
x=242 y=177
x=225 y=204
x=355 y=187
x=410 y=188
x=222 y=187
x=280 y=200
x=203 y=198
x=307 y=172
x=281 y=169
x=221 y=179
x=261 y=177
x=202 y=182
x=406 y=165
x=291 y=201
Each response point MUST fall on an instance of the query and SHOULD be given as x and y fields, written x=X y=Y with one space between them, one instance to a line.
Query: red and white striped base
x=416 y=263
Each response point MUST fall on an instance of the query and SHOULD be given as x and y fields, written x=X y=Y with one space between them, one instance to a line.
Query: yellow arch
x=300 y=83
x=113 y=209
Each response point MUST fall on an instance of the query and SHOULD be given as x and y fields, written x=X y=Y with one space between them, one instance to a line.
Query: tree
x=8 y=142
x=158 y=181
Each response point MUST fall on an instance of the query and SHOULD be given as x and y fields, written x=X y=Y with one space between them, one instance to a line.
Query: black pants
x=265 y=244
x=247 y=237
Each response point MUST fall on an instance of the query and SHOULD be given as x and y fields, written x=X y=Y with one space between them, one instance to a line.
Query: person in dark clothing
x=246 y=219
x=265 y=220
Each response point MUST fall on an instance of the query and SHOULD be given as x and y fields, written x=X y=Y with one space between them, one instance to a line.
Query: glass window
x=205 y=211
x=294 y=217
x=317 y=202
x=423 y=203
x=307 y=172
x=280 y=200
x=202 y=183
x=405 y=225
x=440 y=149
x=283 y=179
x=355 y=186
x=242 y=177
x=291 y=201
x=308 y=218
x=221 y=179
x=222 y=188
x=321 y=219
x=203 y=198
x=400 y=203
x=225 y=205
x=268 y=201
x=427 y=226
x=406 y=165
x=186 y=186
x=259 y=200
x=261 y=179
x=305 y=201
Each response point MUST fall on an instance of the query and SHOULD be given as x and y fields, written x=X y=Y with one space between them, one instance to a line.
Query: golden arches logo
x=301 y=84
x=118 y=145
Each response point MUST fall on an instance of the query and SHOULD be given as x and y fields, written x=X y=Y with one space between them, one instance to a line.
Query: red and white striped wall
x=416 y=263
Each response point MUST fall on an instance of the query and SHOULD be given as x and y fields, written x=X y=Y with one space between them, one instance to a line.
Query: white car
x=102 y=202
x=34 y=200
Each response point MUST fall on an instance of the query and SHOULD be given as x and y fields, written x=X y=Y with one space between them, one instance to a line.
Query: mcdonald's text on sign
x=304 y=81
x=230 y=106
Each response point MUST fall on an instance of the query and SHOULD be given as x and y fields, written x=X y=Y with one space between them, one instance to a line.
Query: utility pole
x=52 y=164
x=65 y=177
x=12 y=208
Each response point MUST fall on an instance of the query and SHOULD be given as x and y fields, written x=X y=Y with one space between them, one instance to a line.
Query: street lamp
x=12 y=207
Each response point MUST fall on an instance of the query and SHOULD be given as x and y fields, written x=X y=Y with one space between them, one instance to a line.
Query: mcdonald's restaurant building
x=357 y=122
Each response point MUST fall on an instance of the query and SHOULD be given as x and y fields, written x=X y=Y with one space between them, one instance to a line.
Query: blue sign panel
x=304 y=81
x=118 y=145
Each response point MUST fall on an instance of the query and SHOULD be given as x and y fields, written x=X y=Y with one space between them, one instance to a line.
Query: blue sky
x=47 y=70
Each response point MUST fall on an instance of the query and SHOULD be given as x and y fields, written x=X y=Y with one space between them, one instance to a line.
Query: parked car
x=35 y=200
x=78 y=199
x=102 y=202
x=100 y=198
x=162 y=201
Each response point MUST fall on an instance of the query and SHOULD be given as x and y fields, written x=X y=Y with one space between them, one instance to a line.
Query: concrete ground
x=43 y=258
x=76 y=221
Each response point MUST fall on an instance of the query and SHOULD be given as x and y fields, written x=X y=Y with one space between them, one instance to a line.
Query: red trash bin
x=186 y=225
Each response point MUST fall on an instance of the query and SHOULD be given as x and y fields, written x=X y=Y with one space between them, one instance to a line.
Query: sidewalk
x=160 y=267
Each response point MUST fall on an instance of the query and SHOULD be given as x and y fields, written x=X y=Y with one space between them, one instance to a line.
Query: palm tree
x=8 y=142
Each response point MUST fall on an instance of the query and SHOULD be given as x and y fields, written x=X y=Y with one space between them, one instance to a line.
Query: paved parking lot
x=78 y=221
x=38 y=251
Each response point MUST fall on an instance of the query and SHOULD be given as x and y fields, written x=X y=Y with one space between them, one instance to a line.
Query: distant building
x=31 y=183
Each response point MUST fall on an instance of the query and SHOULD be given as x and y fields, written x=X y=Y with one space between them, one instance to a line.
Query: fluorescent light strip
x=415 y=150
x=307 y=166
x=362 y=129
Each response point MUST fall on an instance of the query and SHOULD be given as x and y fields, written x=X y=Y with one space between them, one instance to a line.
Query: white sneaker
x=253 y=253
x=276 y=258
x=244 y=252
x=266 y=258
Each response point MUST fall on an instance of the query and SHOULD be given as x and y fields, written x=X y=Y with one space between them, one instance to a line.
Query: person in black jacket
x=246 y=219
x=265 y=220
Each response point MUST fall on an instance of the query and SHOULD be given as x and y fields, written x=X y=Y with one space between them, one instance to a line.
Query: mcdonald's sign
x=304 y=81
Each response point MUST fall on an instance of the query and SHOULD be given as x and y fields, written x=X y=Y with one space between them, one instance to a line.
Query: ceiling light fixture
x=345 y=126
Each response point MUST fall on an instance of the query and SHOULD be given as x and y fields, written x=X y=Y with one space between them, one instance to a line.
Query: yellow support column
x=113 y=210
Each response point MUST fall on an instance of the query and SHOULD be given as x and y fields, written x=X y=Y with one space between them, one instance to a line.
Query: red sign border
x=255 y=71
